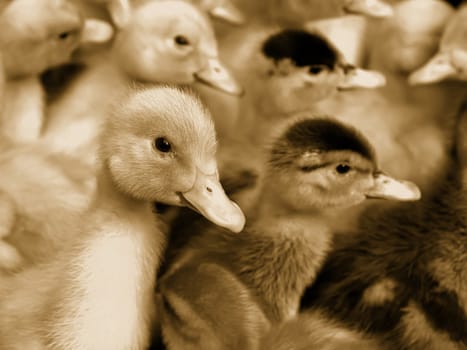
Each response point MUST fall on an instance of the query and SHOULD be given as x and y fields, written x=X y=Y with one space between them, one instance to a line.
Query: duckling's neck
x=270 y=205
x=109 y=196
x=291 y=248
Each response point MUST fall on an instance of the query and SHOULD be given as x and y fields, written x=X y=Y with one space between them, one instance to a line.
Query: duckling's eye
x=64 y=35
x=343 y=169
x=162 y=145
x=181 y=40
x=315 y=69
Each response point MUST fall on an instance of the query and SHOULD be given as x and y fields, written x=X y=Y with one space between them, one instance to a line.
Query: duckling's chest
x=117 y=271
x=278 y=266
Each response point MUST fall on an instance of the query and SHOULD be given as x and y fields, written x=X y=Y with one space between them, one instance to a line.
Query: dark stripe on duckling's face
x=319 y=135
x=302 y=48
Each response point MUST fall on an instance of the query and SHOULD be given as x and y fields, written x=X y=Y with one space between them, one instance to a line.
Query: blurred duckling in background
x=284 y=72
x=163 y=42
x=450 y=62
x=410 y=127
x=297 y=12
x=403 y=278
x=224 y=10
x=157 y=145
x=34 y=36
x=317 y=167
x=118 y=10
x=314 y=330
x=40 y=193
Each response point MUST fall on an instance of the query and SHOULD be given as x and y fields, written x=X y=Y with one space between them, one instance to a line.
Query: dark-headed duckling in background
x=403 y=279
x=284 y=72
x=223 y=290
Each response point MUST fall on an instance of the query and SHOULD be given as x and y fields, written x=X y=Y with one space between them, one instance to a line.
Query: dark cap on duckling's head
x=320 y=135
x=320 y=63
x=320 y=163
x=301 y=47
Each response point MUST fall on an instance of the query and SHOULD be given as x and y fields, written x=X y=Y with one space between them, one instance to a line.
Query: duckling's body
x=282 y=246
x=402 y=279
x=312 y=330
x=40 y=193
x=108 y=272
x=102 y=282
x=145 y=51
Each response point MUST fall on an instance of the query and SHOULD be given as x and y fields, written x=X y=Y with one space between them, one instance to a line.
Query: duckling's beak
x=362 y=78
x=371 y=8
x=96 y=31
x=218 y=77
x=386 y=187
x=209 y=199
x=228 y=12
x=437 y=69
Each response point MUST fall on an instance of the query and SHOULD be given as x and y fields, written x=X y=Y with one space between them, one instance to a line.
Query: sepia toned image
x=233 y=175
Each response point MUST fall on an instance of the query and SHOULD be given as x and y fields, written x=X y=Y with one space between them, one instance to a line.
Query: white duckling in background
x=115 y=10
x=316 y=168
x=40 y=193
x=97 y=292
x=411 y=127
x=297 y=12
x=163 y=42
x=36 y=35
x=450 y=62
x=118 y=10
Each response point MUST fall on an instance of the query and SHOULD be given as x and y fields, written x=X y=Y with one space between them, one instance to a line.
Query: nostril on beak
x=209 y=189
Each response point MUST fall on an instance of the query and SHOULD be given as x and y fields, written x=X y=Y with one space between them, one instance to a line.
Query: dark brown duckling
x=223 y=291
x=404 y=277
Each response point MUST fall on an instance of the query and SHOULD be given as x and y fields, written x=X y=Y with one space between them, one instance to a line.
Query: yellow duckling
x=34 y=36
x=450 y=62
x=162 y=42
x=223 y=290
x=97 y=292
x=402 y=277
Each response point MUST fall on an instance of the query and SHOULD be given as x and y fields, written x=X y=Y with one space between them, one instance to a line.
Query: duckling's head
x=172 y=42
x=450 y=62
x=40 y=34
x=319 y=163
x=301 y=67
x=159 y=145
